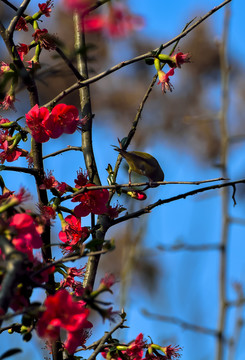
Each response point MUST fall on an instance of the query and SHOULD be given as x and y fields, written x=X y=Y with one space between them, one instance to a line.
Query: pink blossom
x=164 y=79
x=107 y=281
x=181 y=58
x=22 y=49
x=26 y=237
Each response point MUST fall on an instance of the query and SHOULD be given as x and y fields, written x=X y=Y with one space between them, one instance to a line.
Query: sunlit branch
x=104 y=339
x=69 y=148
x=134 y=185
x=18 y=169
x=148 y=208
x=69 y=258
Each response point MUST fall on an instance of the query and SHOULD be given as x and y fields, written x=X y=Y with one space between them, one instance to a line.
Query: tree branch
x=95 y=78
x=148 y=208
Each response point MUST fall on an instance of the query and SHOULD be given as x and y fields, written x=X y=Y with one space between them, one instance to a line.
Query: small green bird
x=143 y=164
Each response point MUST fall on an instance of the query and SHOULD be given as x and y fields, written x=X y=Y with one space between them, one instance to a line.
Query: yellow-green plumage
x=143 y=164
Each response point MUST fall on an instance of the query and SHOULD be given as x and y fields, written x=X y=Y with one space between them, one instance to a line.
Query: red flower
x=43 y=276
x=45 y=8
x=15 y=199
x=113 y=212
x=181 y=58
x=47 y=213
x=45 y=40
x=135 y=350
x=26 y=237
x=81 y=180
x=172 y=352
x=9 y=154
x=93 y=201
x=22 y=49
x=76 y=338
x=62 y=312
x=21 y=24
x=137 y=194
x=62 y=187
x=35 y=120
x=64 y=119
x=106 y=282
x=69 y=281
x=49 y=182
x=164 y=79
x=73 y=232
x=8 y=102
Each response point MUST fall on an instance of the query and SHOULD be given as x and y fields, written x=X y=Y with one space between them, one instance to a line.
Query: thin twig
x=186 y=247
x=105 y=338
x=11 y=6
x=69 y=148
x=148 y=208
x=19 y=169
x=19 y=13
x=184 y=324
x=69 y=64
x=134 y=185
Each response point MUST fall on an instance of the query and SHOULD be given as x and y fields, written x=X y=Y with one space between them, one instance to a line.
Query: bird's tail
x=121 y=152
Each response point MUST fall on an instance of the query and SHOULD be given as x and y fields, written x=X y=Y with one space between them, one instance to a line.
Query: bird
x=142 y=163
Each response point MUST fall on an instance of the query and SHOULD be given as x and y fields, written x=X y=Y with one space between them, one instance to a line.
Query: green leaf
x=149 y=61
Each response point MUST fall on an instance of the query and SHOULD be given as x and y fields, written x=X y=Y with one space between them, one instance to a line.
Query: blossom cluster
x=140 y=350
x=45 y=125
